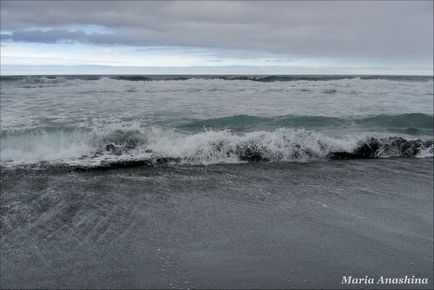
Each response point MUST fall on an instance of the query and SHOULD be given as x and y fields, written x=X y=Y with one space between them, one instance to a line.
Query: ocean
x=215 y=181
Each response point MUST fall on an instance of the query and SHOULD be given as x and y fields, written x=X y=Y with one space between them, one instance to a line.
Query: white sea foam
x=427 y=152
x=121 y=143
x=133 y=141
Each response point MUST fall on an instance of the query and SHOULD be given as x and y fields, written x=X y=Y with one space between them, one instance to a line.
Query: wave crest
x=122 y=144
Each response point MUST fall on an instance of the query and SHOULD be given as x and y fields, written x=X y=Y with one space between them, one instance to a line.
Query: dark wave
x=255 y=78
x=372 y=148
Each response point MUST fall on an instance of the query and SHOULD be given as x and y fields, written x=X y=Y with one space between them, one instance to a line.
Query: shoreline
x=262 y=225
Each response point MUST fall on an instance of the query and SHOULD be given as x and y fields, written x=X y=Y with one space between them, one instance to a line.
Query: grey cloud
x=49 y=36
x=5 y=36
x=336 y=29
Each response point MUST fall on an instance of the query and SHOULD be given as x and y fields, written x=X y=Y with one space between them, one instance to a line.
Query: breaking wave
x=133 y=145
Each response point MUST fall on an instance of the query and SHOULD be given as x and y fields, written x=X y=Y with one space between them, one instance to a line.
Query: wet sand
x=261 y=225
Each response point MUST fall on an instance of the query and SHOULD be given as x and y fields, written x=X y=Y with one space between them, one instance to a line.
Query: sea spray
x=120 y=143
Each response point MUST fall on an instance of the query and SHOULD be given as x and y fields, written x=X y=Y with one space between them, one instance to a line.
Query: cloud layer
x=366 y=29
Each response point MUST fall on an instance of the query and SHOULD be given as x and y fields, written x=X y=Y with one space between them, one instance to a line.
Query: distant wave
x=123 y=145
x=255 y=78
x=411 y=123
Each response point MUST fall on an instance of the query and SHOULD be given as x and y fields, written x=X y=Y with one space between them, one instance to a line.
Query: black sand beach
x=216 y=144
x=257 y=225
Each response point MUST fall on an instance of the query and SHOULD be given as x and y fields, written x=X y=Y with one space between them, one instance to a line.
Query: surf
x=154 y=145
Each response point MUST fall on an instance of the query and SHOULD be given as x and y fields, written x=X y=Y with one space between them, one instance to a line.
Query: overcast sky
x=393 y=37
